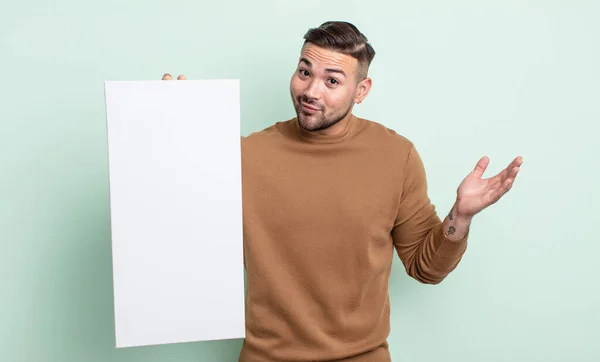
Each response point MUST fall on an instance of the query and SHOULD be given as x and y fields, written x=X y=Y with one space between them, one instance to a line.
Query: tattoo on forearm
x=450 y=215
x=451 y=230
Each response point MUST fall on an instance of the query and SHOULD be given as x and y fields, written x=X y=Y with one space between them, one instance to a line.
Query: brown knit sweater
x=322 y=218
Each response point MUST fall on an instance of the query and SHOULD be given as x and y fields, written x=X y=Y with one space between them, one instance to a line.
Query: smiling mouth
x=307 y=108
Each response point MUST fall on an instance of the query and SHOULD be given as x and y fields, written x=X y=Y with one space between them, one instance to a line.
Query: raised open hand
x=476 y=193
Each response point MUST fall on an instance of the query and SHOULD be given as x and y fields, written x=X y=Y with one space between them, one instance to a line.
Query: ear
x=363 y=90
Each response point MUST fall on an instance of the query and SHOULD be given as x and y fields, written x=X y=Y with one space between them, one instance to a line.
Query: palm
x=476 y=193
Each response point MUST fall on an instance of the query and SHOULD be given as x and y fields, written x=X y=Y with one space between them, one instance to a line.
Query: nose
x=312 y=91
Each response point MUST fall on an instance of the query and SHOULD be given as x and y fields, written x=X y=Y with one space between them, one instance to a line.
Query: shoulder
x=383 y=137
x=264 y=134
x=265 y=140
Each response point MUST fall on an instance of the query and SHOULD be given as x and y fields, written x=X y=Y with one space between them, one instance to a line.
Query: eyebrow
x=329 y=70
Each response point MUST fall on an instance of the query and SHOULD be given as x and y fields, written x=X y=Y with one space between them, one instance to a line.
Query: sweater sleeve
x=419 y=239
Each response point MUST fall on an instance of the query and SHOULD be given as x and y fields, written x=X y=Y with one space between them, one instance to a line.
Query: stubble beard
x=324 y=120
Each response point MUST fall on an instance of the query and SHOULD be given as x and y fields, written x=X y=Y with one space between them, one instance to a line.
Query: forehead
x=326 y=58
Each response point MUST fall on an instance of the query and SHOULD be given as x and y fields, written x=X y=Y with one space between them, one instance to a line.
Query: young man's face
x=325 y=87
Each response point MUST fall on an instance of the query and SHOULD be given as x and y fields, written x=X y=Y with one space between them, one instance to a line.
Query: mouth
x=308 y=108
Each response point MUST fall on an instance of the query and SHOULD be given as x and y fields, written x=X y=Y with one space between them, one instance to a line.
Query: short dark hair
x=345 y=38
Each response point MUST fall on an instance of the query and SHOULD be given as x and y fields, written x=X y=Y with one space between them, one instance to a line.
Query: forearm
x=456 y=226
x=428 y=247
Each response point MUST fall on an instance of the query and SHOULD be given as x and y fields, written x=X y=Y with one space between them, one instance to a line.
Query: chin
x=308 y=128
x=312 y=125
x=307 y=125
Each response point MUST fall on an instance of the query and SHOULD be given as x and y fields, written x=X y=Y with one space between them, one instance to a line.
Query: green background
x=461 y=79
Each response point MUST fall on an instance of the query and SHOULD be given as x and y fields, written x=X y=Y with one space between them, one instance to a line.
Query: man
x=327 y=198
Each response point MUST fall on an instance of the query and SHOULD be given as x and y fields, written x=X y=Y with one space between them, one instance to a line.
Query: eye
x=333 y=81
x=304 y=72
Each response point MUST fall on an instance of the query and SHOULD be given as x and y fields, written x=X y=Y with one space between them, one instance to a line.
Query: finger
x=514 y=172
x=517 y=162
x=508 y=184
x=510 y=172
x=482 y=164
x=508 y=176
x=500 y=191
x=167 y=76
x=181 y=77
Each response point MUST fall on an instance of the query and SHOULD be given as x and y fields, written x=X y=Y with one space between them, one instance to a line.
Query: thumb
x=482 y=164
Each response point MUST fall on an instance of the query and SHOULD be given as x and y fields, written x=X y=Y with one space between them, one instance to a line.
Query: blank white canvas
x=176 y=210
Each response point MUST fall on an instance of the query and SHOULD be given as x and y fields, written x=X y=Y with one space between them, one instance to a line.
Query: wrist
x=456 y=224
x=462 y=218
x=458 y=213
